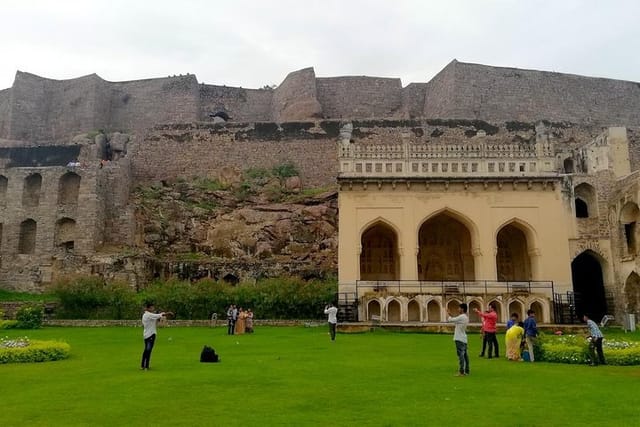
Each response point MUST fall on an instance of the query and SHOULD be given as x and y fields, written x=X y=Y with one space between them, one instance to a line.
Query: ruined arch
x=65 y=233
x=632 y=293
x=586 y=201
x=373 y=308
x=27 y=237
x=394 y=311
x=588 y=284
x=4 y=183
x=413 y=311
x=68 y=188
x=445 y=244
x=434 y=311
x=629 y=216
x=31 y=190
x=512 y=256
x=379 y=259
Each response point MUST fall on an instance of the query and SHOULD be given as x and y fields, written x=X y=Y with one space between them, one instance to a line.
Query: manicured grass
x=295 y=376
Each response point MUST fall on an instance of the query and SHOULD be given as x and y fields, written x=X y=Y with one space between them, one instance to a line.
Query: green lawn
x=295 y=376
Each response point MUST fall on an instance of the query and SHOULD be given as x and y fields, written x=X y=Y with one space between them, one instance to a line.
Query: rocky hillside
x=244 y=226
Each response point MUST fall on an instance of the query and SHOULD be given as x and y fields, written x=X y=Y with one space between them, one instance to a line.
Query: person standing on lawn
x=530 y=332
x=489 y=321
x=460 y=338
x=332 y=317
x=149 y=324
x=595 y=342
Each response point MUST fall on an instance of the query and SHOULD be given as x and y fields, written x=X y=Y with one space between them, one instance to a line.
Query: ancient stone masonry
x=535 y=173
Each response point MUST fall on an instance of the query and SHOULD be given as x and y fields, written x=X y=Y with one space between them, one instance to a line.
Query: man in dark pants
x=489 y=320
x=232 y=315
x=595 y=342
x=149 y=323
x=460 y=338
x=332 y=313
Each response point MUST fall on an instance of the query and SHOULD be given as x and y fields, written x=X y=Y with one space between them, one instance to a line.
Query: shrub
x=575 y=350
x=285 y=170
x=8 y=324
x=93 y=298
x=22 y=350
x=29 y=317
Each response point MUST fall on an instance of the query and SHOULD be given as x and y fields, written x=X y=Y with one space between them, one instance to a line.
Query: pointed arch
x=413 y=311
x=445 y=246
x=498 y=307
x=473 y=316
x=379 y=257
x=586 y=200
x=374 y=308
x=434 y=311
x=460 y=217
x=453 y=305
x=587 y=275
x=394 y=310
x=516 y=306
x=513 y=243
x=539 y=309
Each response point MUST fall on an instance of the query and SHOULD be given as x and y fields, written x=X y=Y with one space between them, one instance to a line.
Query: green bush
x=35 y=351
x=8 y=324
x=285 y=170
x=574 y=349
x=93 y=298
x=29 y=317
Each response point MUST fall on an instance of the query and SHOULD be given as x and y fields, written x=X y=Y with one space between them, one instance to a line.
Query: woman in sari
x=513 y=338
x=249 y=321
x=240 y=323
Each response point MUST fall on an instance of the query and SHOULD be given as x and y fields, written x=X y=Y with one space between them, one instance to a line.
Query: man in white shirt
x=332 y=312
x=149 y=324
x=460 y=338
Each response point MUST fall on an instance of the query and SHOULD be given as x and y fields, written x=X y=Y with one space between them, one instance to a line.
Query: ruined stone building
x=485 y=184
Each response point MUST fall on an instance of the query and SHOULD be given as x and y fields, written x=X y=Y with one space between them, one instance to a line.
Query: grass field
x=295 y=376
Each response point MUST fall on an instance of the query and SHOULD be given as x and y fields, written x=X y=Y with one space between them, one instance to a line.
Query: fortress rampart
x=50 y=111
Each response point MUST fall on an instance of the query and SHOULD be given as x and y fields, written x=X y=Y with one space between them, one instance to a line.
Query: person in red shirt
x=489 y=321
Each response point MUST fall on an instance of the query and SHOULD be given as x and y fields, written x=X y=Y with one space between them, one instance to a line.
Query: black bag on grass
x=209 y=355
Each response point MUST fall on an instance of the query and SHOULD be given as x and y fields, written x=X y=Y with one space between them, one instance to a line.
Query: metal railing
x=456 y=287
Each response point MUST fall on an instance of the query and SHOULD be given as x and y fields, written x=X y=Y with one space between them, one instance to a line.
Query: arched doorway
x=433 y=311
x=413 y=311
x=498 y=308
x=588 y=285
x=393 y=311
x=512 y=259
x=473 y=316
x=379 y=257
x=445 y=250
x=373 y=308
x=538 y=311
x=516 y=306
x=632 y=293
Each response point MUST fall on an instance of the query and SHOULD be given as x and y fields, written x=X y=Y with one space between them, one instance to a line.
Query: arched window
x=629 y=218
x=27 y=238
x=586 y=201
x=31 y=191
x=68 y=188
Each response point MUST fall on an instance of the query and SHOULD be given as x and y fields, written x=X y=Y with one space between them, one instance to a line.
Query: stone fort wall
x=49 y=111
x=469 y=91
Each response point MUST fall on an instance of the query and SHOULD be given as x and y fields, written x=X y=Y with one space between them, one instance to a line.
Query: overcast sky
x=255 y=43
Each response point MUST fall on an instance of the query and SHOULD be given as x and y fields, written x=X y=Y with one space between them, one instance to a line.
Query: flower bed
x=24 y=350
x=574 y=349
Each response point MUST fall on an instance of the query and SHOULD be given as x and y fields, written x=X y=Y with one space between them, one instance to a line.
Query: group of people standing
x=517 y=334
x=239 y=320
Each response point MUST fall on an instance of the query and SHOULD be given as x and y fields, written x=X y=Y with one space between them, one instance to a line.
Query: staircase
x=347 y=306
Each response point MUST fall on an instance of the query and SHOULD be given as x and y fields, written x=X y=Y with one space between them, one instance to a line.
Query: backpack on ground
x=208 y=355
